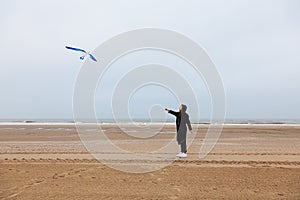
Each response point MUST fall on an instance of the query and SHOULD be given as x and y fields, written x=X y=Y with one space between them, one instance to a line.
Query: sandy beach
x=248 y=162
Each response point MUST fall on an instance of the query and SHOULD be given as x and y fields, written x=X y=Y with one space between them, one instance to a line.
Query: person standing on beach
x=182 y=121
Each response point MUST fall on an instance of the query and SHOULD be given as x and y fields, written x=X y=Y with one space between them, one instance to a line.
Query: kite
x=83 y=51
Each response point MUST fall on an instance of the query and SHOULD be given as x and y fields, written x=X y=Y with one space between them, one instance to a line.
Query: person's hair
x=183 y=108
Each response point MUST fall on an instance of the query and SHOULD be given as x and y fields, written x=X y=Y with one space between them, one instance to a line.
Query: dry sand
x=248 y=162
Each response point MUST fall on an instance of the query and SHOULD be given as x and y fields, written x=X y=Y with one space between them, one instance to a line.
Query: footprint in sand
x=55 y=176
x=176 y=187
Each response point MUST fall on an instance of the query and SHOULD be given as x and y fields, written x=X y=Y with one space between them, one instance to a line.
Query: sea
x=263 y=122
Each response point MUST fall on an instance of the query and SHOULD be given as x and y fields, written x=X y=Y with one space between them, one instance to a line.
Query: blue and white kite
x=84 y=55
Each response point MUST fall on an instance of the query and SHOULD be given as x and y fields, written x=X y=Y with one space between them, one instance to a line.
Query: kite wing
x=76 y=49
x=92 y=57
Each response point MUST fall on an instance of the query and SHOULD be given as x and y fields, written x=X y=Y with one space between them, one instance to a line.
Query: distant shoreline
x=70 y=123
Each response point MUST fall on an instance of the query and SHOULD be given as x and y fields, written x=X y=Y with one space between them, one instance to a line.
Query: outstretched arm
x=172 y=112
x=189 y=124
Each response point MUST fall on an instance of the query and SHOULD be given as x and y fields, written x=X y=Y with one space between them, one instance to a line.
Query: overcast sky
x=255 y=45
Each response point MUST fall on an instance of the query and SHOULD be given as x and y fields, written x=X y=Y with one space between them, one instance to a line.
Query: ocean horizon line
x=148 y=121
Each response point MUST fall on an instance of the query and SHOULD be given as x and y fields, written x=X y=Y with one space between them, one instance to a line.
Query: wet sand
x=248 y=162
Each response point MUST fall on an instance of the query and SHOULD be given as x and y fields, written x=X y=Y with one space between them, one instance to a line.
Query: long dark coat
x=182 y=121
